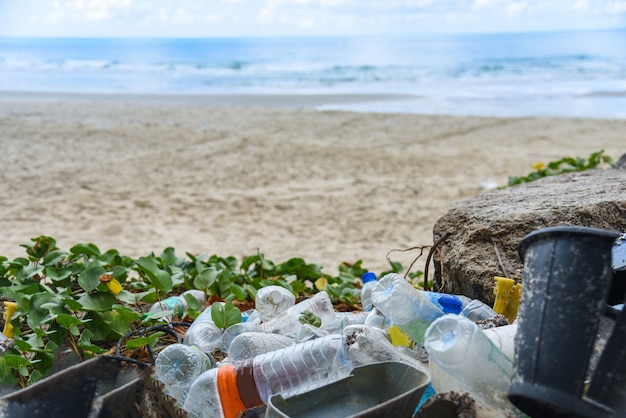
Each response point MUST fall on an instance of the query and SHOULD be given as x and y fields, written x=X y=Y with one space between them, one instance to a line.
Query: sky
x=225 y=18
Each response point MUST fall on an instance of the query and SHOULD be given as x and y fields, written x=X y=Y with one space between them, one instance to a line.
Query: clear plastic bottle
x=477 y=310
x=463 y=357
x=408 y=308
x=203 y=332
x=271 y=301
x=177 y=304
x=369 y=282
x=343 y=319
x=233 y=331
x=452 y=304
x=288 y=323
x=367 y=345
x=252 y=344
x=177 y=366
x=375 y=318
x=229 y=389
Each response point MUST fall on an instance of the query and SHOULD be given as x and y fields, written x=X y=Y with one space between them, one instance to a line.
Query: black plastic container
x=608 y=385
x=566 y=281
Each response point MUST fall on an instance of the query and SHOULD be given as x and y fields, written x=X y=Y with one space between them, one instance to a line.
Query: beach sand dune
x=327 y=186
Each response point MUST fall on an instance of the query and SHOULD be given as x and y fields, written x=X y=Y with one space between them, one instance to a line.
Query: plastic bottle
x=177 y=366
x=203 y=332
x=343 y=319
x=367 y=345
x=271 y=301
x=369 y=282
x=309 y=332
x=233 y=331
x=408 y=308
x=229 y=389
x=463 y=357
x=288 y=323
x=477 y=310
x=251 y=344
x=452 y=304
x=177 y=304
x=375 y=318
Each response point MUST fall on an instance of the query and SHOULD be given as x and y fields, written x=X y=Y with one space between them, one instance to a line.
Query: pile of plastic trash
x=564 y=356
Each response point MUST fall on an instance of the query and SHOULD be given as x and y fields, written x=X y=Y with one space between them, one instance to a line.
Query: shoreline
x=263 y=100
x=326 y=186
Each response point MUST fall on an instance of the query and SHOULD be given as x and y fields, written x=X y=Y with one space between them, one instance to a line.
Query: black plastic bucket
x=566 y=280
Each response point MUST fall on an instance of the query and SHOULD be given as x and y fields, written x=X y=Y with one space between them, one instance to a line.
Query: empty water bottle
x=477 y=310
x=229 y=389
x=367 y=345
x=369 y=282
x=252 y=344
x=176 y=306
x=463 y=358
x=271 y=301
x=375 y=318
x=233 y=331
x=408 y=308
x=288 y=323
x=203 y=332
x=177 y=366
x=452 y=304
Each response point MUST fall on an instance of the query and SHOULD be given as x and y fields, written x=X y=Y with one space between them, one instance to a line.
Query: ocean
x=562 y=74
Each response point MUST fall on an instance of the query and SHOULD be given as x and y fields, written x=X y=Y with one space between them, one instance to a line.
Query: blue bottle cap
x=368 y=277
x=450 y=303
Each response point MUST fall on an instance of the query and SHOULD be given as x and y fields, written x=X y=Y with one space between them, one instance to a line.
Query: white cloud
x=581 y=5
x=283 y=17
x=615 y=7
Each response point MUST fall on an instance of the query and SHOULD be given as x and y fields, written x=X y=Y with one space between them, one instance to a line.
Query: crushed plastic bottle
x=271 y=301
x=229 y=389
x=288 y=323
x=177 y=305
x=367 y=345
x=203 y=332
x=252 y=344
x=177 y=366
x=409 y=309
x=477 y=310
x=463 y=358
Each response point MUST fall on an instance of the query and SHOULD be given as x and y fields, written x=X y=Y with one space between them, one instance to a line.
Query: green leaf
x=225 y=315
x=128 y=314
x=89 y=250
x=127 y=297
x=100 y=301
x=68 y=320
x=238 y=291
x=169 y=256
x=205 y=279
x=14 y=361
x=159 y=278
x=308 y=317
x=89 y=279
x=137 y=342
x=54 y=257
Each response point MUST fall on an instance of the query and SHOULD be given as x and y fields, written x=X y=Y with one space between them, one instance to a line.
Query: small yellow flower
x=398 y=337
x=539 y=166
x=114 y=286
x=321 y=283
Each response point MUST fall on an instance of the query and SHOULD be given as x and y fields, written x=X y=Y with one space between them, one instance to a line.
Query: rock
x=491 y=225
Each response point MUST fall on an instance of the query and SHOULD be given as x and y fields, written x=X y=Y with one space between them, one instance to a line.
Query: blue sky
x=200 y=18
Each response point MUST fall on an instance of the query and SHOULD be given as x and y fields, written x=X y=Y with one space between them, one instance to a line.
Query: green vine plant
x=564 y=165
x=83 y=301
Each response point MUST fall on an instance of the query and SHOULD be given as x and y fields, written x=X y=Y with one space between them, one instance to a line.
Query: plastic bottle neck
x=237 y=389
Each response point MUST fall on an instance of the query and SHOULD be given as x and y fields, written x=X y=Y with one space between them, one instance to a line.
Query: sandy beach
x=231 y=175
